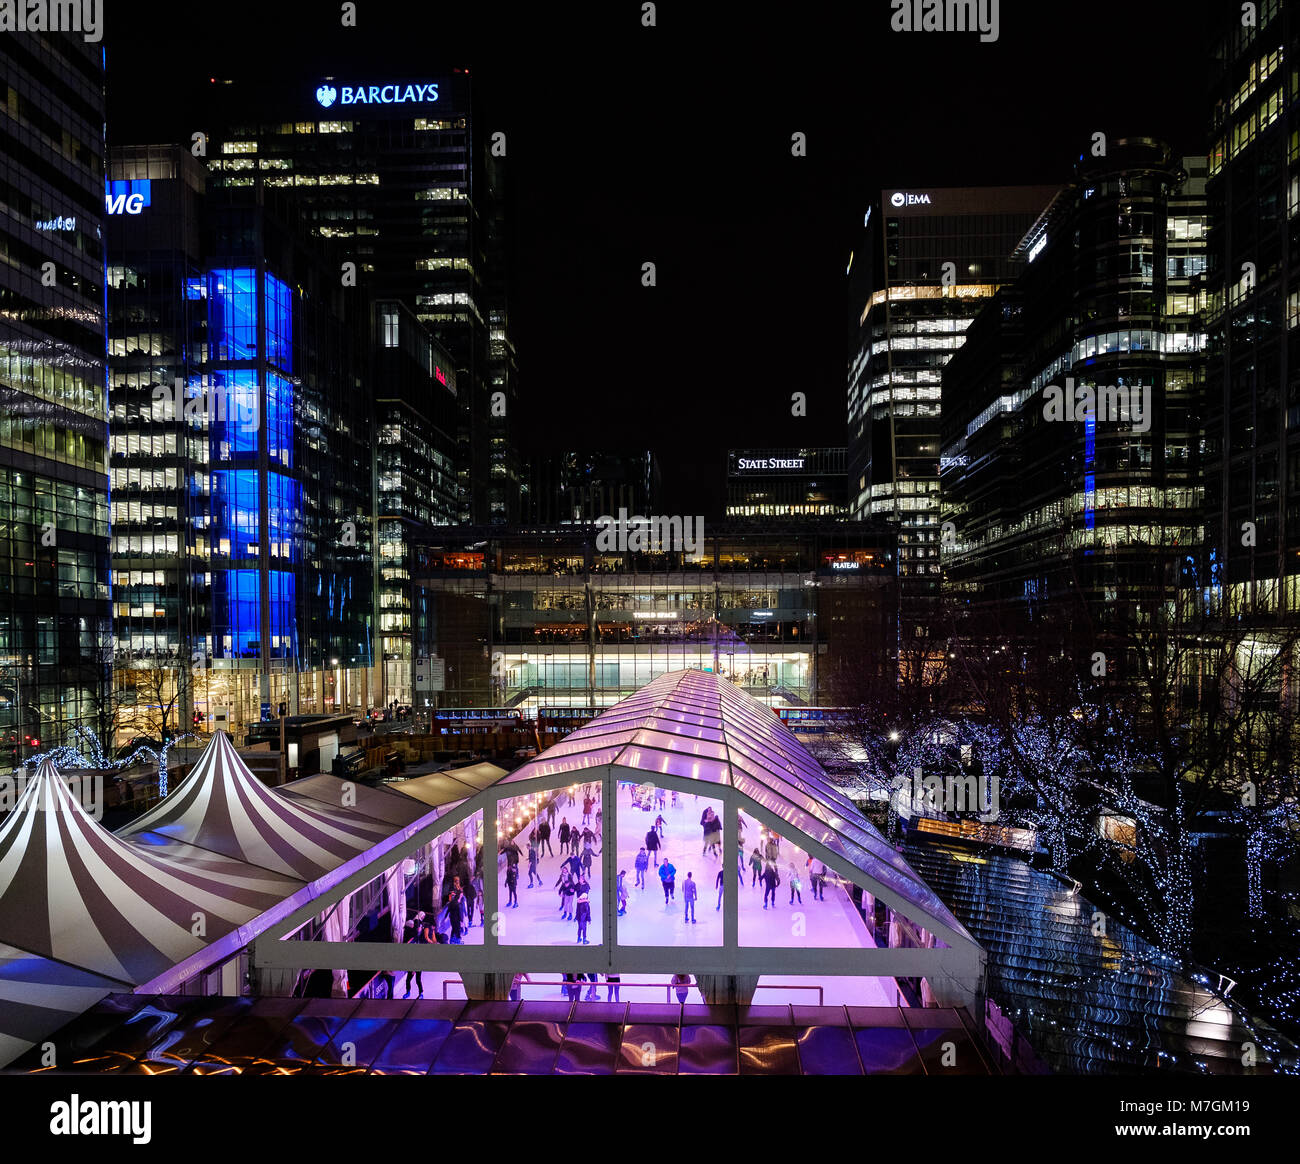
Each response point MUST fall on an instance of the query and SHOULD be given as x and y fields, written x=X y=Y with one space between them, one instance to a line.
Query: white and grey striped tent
x=223 y=808
x=85 y=912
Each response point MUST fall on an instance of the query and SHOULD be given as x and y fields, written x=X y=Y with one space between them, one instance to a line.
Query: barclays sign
x=327 y=94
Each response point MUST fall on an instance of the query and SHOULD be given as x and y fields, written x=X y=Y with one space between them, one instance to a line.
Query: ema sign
x=899 y=198
x=376 y=94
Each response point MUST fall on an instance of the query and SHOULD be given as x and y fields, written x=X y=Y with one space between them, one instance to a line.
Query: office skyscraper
x=942 y=253
x=54 y=613
x=400 y=171
x=1253 y=311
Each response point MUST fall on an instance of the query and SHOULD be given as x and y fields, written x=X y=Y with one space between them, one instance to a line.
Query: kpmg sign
x=127 y=197
x=327 y=94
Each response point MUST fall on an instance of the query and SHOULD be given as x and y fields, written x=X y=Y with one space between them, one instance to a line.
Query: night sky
x=672 y=144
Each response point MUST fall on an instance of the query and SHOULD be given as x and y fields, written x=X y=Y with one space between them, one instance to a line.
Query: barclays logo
x=326 y=95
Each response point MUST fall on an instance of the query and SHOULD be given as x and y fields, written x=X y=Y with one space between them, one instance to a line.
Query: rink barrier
x=668 y=987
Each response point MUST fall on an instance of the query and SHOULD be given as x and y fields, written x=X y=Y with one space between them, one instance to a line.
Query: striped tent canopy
x=75 y=893
x=223 y=808
x=38 y=996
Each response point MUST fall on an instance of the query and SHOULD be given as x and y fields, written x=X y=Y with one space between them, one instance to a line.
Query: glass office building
x=55 y=646
x=942 y=254
x=1252 y=418
x=1049 y=506
x=415 y=475
x=241 y=441
x=404 y=179
x=529 y=618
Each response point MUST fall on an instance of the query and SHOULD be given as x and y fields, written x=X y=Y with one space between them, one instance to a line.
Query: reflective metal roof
x=697 y=726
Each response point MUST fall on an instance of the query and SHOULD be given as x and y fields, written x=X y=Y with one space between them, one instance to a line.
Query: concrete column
x=274 y=981
x=487 y=987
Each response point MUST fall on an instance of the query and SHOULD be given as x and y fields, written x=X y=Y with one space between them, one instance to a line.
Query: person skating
x=564 y=835
x=587 y=805
x=552 y=811
x=713 y=834
x=720 y=880
x=660 y=824
x=612 y=983
x=477 y=882
x=771 y=879
x=682 y=985
x=796 y=885
x=512 y=886
x=544 y=837
x=584 y=917
x=652 y=844
x=567 y=893
x=705 y=817
x=755 y=863
x=668 y=876
x=590 y=837
x=471 y=898
x=532 y=866
x=455 y=906
x=621 y=891
x=690 y=891
x=773 y=849
x=818 y=882
x=588 y=855
x=641 y=865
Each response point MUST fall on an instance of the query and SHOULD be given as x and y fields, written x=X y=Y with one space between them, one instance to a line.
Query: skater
x=544 y=836
x=470 y=899
x=661 y=824
x=477 y=882
x=589 y=837
x=567 y=893
x=674 y=797
x=642 y=864
x=551 y=812
x=532 y=866
x=584 y=917
x=818 y=882
x=796 y=885
x=773 y=850
x=587 y=806
x=517 y=987
x=720 y=878
x=588 y=854
x=571 y=987
x=652 y=843
x=755 y=863
x=455 y=910
x=668 y=875
x=713 y=834
x=512 y=886
x=705 y=818
x=621 y=892
x=564 y=835
x=592 y=995
x=690 y=891
x=771 y=879
x=612 y=983
x=600 y=820
x=682 y=984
